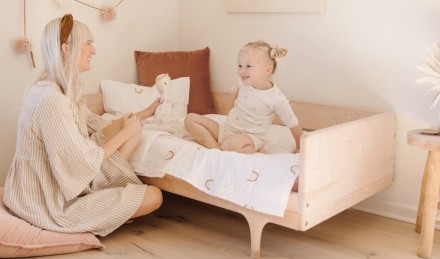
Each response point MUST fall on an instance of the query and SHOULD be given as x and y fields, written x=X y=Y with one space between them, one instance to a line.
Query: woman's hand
x=120 y=133
x=296 y=150
x=131 y=124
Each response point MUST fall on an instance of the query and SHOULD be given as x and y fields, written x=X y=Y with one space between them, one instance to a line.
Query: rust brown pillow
x=192 y=64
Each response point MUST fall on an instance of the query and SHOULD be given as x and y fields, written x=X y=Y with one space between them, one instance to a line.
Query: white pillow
x=121 y=98
x=278 y=139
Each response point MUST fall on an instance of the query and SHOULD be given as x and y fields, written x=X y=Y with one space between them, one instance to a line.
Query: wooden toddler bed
x=347 y=155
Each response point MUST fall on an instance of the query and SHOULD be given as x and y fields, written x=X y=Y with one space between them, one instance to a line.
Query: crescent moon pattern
x=169 y=155
x=138 y=90
x=294 y=169
x=253 y=177
x=208 y=184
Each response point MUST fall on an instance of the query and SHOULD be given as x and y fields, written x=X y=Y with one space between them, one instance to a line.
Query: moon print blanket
x=261 y=182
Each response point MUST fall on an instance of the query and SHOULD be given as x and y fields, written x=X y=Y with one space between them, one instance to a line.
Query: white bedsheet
x=261 y=182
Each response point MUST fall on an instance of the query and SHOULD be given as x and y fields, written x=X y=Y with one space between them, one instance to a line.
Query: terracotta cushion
x=192 y=64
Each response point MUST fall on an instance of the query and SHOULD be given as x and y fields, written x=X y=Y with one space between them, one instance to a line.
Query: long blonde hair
x=63 y=68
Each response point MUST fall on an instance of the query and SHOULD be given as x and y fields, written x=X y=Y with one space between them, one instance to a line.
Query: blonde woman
x=70 y=171
x=258 y=101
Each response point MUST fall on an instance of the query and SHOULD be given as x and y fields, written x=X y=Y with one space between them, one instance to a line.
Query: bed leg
x=256 y=225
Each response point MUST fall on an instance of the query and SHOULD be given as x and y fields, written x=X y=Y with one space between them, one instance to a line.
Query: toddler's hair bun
x=276 y=52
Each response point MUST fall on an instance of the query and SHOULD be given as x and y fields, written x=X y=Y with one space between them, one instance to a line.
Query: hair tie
x=66 y=25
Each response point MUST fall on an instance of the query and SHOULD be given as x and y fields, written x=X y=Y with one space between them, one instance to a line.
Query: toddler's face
x=253 y=70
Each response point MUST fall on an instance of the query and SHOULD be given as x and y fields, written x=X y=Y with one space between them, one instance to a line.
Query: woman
x=70 y=171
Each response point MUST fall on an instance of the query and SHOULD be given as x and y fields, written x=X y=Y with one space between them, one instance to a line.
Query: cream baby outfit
x=254 y=111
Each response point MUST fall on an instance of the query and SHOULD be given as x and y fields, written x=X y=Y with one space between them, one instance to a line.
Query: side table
x=428 y=203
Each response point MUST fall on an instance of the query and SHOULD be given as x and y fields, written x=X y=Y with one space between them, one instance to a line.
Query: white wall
x=359 y=53
x=140 y=25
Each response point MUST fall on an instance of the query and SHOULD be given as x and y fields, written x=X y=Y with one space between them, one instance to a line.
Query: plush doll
x=164 y=118
x=163 y=112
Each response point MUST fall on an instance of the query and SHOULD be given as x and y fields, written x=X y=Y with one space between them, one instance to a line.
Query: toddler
x=258 y=101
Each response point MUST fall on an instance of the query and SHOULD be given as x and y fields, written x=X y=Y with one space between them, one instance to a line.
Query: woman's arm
x=124 y=128
x=119 y=132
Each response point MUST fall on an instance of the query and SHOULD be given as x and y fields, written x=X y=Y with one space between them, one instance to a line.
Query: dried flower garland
x=23 y=45
x=107 y=13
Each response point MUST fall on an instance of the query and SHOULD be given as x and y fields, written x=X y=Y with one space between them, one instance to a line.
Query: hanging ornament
x=107 y=13
x=23 y=45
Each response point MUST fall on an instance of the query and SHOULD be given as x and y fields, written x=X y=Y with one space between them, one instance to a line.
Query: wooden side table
x=428 y=204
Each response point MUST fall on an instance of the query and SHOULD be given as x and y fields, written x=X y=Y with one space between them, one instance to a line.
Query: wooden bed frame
x=347 y=155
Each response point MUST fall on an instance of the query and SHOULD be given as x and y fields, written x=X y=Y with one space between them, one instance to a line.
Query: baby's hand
x=296 y=151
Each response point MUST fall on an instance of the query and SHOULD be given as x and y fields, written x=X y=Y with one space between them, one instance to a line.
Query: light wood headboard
x=312 y=116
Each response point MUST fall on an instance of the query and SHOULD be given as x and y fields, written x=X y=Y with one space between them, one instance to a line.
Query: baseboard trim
x=386 y=208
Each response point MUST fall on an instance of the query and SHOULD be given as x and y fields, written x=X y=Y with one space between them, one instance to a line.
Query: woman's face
x=87 y=51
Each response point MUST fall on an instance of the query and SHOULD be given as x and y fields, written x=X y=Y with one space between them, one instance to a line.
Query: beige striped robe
x=58 y=179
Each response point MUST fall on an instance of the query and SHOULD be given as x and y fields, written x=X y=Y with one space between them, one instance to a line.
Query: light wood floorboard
x=183 y=228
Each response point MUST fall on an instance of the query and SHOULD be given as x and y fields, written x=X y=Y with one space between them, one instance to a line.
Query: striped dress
x=58 y=179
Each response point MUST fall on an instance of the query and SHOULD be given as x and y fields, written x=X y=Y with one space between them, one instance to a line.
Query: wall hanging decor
x=23 y=45
x=107 y=13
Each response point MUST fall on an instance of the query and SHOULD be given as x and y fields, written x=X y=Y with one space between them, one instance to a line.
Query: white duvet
x=261 y=182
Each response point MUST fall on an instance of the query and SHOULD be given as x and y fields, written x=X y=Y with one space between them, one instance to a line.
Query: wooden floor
x=183 y=228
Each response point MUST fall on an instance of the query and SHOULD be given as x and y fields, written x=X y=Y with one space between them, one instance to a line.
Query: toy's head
x=163 y=81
